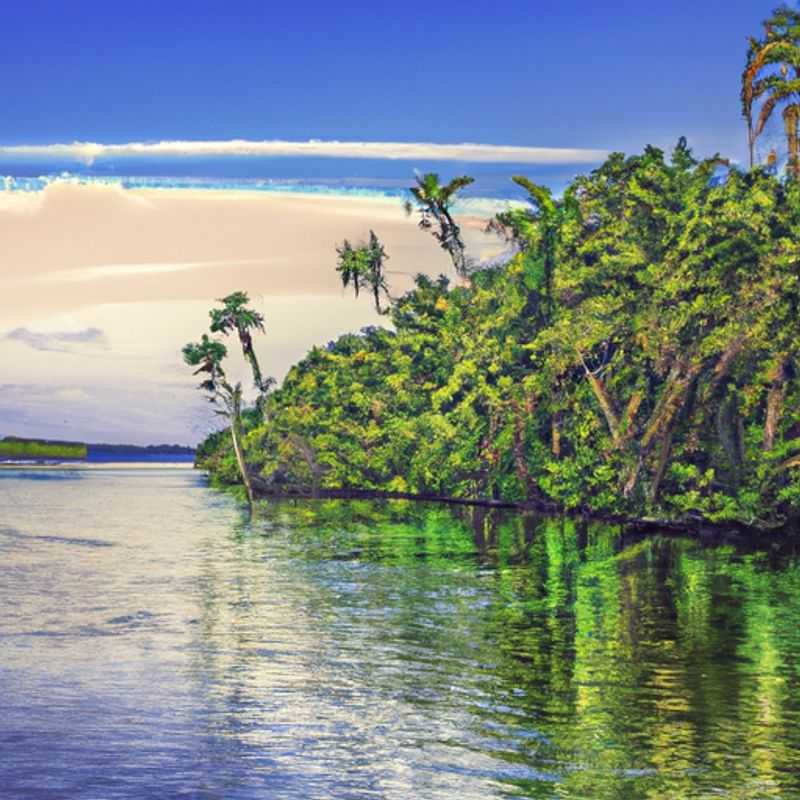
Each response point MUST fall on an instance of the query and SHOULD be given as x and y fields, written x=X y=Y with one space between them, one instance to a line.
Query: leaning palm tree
x=434 y=201
x=206 y=357
x=363 y=267
x=772 y=77
x=236 y=316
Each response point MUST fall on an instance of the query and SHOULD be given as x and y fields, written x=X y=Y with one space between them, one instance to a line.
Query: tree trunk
x=775 y=402
x=606 y=404
x=659 y=426
x=520 y=462
x=306 y=450
x=791 y=116
x=661 y=465
x=453 y=244
x=627 y=429
x=250 y=354
x=236 y=436
x=555 y=434
x=729 y=427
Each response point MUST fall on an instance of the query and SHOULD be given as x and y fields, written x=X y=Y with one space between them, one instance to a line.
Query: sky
x=107 y=271
x=611 y=75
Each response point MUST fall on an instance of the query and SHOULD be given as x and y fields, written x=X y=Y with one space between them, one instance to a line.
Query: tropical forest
x=635 y=353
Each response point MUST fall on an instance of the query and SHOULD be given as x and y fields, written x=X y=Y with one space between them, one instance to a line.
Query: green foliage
x=362 y=266
x=638 y=354
x=37 y=449
x=236 y=316
x=434 y=200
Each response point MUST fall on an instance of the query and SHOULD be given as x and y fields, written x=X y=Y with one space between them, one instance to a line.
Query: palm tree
x=434 y=201
x=779 y=51
x=207 y=356
x=235 y=316
x=757 y=53
x=363 y=266
x=533 y=229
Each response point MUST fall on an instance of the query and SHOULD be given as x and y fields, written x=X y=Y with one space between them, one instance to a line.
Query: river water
x=156 y=644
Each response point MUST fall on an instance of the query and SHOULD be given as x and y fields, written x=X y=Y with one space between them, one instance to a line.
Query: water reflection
x=354 y=649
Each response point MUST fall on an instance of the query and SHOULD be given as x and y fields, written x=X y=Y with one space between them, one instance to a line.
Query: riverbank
x=612 y=365
x=695 y=526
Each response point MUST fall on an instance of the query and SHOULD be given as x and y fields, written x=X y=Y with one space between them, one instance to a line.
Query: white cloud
x=88 y=152
x=82 y=274
x=59 y=341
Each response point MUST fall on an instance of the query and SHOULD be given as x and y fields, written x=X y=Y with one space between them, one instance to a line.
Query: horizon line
x=88 y=152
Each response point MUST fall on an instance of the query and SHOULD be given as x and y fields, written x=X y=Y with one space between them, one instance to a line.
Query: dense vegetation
x=18 y=448
x=638 y=354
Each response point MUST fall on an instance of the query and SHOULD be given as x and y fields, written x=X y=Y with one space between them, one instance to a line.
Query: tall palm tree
x=363 y=266
x=207 y=356
x=772 y=77
x=236 y=316
x=434 y=200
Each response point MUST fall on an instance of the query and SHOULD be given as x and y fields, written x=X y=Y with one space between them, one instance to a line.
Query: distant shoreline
x=93 y=465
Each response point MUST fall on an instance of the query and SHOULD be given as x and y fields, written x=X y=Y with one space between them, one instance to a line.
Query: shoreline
x=95 y=465
x=702 y=528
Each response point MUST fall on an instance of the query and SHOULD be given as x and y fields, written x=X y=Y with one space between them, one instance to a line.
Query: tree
x=236 y=316
x=772 y=77
x=757 y=53
x=207 y=356
x=534 y=232
x=434 y=202
x=362 y=266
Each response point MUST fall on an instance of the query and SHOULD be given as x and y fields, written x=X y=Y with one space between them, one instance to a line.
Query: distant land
x=20 y=448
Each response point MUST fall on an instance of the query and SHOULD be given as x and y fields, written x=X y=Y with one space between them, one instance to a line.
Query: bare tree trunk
x=606 y=403
x=791 y=116
x=236 y=436
x=626 y=428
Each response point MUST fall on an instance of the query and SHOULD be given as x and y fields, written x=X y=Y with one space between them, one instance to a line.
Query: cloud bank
x=58 y=342
x=88 y=152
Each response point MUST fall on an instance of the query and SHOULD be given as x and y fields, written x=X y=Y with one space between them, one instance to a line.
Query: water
x=153 y=644
x=370 y=177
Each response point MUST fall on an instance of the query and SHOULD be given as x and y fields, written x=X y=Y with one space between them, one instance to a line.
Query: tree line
x=636 y=354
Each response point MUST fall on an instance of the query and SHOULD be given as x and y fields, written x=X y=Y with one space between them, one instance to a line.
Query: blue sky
x=612 y=75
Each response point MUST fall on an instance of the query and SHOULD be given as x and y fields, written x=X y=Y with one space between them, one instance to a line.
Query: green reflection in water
x=586 y=662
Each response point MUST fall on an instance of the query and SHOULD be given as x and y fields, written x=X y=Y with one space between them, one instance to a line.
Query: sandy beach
x=101 y=286
x=94 y=243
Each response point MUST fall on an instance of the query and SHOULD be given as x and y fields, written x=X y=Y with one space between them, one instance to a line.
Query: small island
x=17 y=448
x=13 y=448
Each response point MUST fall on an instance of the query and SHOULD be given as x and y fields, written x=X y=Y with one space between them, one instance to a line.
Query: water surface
x=155 y=644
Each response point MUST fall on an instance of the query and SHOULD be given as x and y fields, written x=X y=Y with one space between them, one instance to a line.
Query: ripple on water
x=156 y=644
